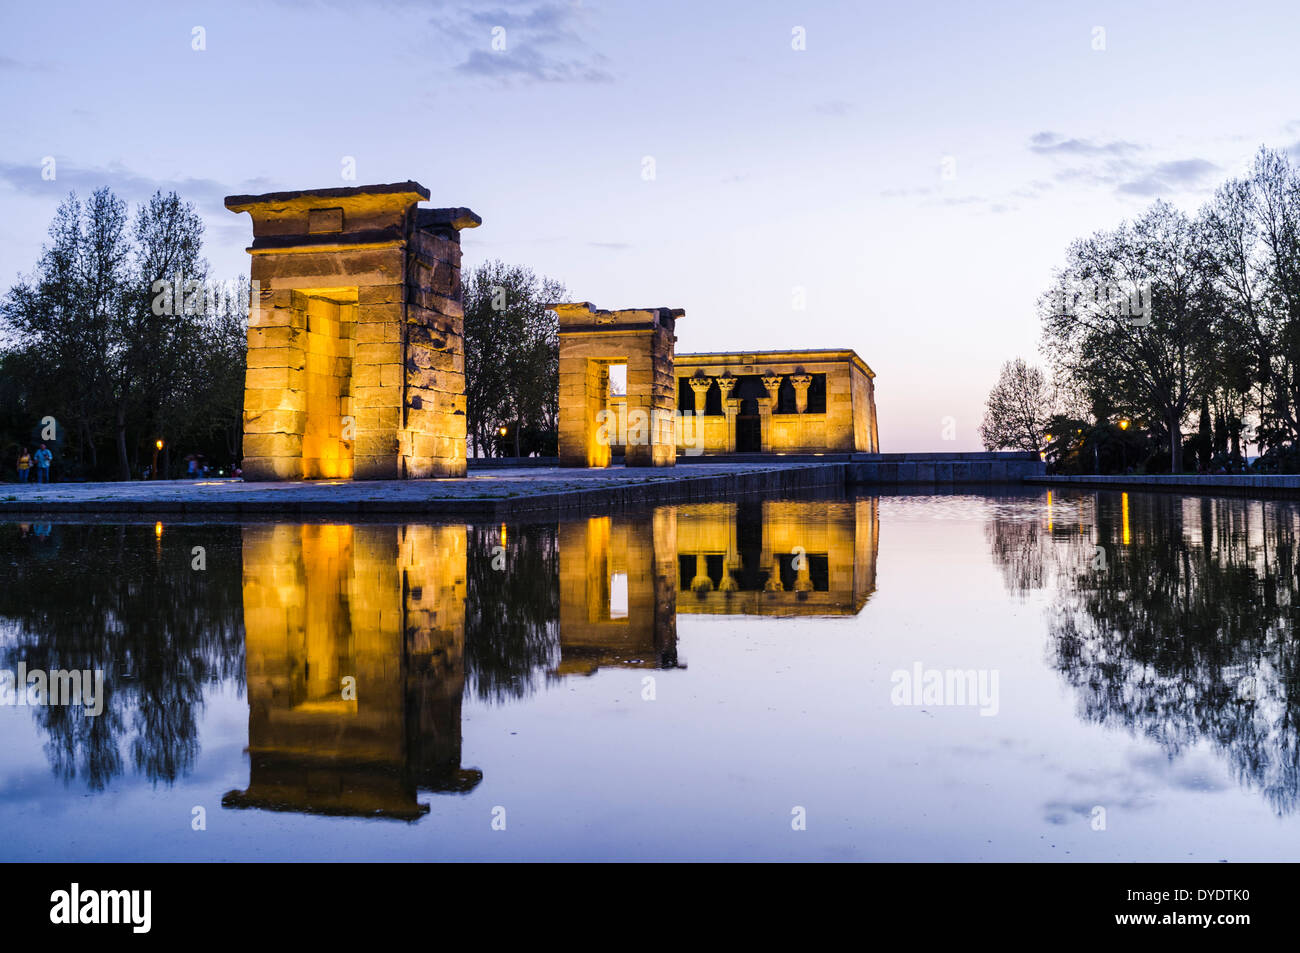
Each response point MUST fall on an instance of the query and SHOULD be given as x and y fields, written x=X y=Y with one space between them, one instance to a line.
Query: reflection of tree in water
x=512 y=613
x=125 y=601
x=1019 y=552
x=1187 y=634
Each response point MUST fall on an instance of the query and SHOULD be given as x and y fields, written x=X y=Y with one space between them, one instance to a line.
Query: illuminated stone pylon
x=356 y=358
x=590 y=342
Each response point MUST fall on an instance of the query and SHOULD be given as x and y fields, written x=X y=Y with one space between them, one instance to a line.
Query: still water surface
x=696 y=682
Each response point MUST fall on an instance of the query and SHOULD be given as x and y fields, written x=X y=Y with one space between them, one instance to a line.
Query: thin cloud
x=1121 y=165
x=530 y=65
x=1165 y=177
x=208 y=195
x=1051 y=143
x=9 y=64
x=543 y=43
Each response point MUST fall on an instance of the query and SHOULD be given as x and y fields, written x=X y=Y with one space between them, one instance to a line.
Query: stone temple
x=776 y=402
x=356 y=358
x=717 y=404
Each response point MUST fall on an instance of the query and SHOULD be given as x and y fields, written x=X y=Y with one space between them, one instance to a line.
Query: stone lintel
x=453 y=218
x=328 y=241
x=583 y=316
x=690 y=362
x=394 y=192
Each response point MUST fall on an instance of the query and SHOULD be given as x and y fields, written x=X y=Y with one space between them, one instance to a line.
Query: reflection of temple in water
x=776 y=557
x=384 y=605
x=616 y=592
x=624 y=580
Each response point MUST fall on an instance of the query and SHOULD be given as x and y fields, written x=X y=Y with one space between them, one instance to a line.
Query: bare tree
x=1017 y=410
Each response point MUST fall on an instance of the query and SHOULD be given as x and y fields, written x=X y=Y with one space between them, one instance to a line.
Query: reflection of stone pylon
x=355 y=658
x=642 y=550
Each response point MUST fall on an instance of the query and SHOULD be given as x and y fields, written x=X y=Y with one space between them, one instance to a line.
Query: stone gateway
x=356 y=357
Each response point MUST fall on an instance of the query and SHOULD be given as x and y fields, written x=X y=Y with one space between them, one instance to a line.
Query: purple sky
x=912 y=175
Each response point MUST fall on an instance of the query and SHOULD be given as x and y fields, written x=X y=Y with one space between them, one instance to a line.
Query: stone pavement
x=484 y=493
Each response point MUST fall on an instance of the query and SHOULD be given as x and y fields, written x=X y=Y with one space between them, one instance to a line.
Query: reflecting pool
x=1016 y=675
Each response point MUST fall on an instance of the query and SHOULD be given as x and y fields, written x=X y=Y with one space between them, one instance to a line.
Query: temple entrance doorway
x=749 y=431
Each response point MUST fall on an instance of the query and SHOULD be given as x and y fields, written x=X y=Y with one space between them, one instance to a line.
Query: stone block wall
x=356 y=335
x=435 y=352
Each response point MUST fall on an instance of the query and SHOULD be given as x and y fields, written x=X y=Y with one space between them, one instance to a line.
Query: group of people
x=196 y=466
x=40 y=461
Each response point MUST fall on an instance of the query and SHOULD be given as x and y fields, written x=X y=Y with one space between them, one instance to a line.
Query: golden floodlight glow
x=158 y=444
x=1123 y=423
x=502 y=431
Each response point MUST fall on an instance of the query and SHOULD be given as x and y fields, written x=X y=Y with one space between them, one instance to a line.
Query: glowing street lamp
x=157 y=445
x=1123 y=423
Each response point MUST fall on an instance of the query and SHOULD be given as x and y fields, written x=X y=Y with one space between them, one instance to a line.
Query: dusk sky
x=913 y=174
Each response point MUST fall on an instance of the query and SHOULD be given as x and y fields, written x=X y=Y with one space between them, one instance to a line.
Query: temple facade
x=775 y=402
x=691 y=405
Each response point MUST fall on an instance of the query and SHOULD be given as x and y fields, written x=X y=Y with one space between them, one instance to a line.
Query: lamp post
x=157 y=445
x=503 y=431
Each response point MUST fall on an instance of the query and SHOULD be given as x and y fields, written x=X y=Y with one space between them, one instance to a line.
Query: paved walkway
x=496 y=492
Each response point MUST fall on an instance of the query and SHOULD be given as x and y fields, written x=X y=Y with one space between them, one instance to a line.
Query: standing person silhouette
x=43 y=458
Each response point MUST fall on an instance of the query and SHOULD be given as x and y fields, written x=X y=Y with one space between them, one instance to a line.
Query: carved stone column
x=691 y=426
x=765 y=407
x=765 y=422
x=801 y=384
x=701 y=387
x=732 y=407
